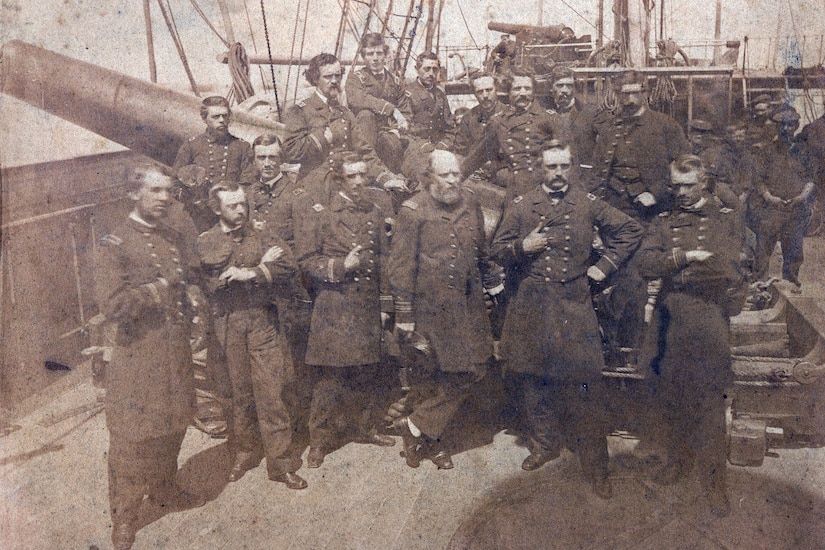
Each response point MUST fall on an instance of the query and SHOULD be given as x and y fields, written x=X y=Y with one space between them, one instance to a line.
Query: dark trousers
x=436 y=397
x=138 y=468
x=261 y=375
x=566 y=413
x=695 y=427
x=369 y=133
x=789 y=228
x=621 y=313
x=343 y=398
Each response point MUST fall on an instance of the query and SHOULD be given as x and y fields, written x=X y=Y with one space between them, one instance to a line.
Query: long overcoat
x=436 y=264
x=149 y=382
x=346 y=324
x=551 y=328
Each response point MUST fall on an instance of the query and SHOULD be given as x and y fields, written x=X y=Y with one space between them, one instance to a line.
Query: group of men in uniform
x=353 y=239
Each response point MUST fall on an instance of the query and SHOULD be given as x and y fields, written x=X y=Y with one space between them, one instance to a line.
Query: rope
x=239 y=69
x=173 y=32
x=254 y=42
x=303 y=39
x=292 y=48
x=208 y=23
x=271 y=65
x=461 y=11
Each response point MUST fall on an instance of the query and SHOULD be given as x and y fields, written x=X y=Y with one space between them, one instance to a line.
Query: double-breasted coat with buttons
x=224 y=158
x=346 y=323
x=438 y=268
x=141 y=273
x=518 y=137
x=551 y=328
x=576 y=127
x=633 y=156
x=687 y=340
x=379 y=94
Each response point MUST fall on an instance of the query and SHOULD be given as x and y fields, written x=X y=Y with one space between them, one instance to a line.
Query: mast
x=227 y=21
x=150 y=43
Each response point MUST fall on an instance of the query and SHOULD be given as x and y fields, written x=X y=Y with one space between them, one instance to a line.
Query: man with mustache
x=341 y=248
x=439 y=272
x=427 y=111
x=631 y=161
x=518 y=135
x=574 y=118
x=551 y=336
x=320 y=126
x=376 y=96
x=144 y=277
x=244 y=270
x=210 y=158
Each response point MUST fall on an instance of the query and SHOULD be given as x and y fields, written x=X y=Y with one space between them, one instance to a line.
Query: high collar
x=135 y=217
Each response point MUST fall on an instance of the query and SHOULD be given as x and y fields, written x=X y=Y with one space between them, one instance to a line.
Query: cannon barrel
x=147 y=118
x=549 y=33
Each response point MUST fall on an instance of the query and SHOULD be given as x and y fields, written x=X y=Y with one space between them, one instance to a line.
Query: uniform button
x=530 y=169
x=369 y=223
x=450 y=277
x=567 y=237
x=369 y=270
x=567 y=249
x=453 y=246
x=372 y=242
x=367 y=278
x=153 y=255
x=676 y=239
x=452 y=234
x=356 y=279
x=179 y=270
x=372 y=262
x=452 y=265
x=702 y=228
x=567 y=227
x=701 y=237
x=527 y=147
x=146 y=234
x=567 y=217
x=564 y=270
x=547 y=279
x=354 y=244
x=566 y=259
x=179 y=303
x=515 y=171
x=547 y=257
x=176 y=260
x=150 y=245
x=158 y=265
x=543 y=218
x=548 y=269
x=676 y=229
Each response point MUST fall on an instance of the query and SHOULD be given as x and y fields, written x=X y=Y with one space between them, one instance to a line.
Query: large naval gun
x=53 y=214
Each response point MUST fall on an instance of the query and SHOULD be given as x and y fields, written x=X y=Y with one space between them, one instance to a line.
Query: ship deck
x=53 y=490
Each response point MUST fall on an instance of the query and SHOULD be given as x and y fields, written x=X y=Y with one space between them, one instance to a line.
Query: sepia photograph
x=412 y=274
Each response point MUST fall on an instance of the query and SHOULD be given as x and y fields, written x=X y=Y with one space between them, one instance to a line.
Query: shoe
x=375 y=438
x=410 y=442
x=123 y=536
x=602 y=487
x=719 y=503
x=443 y=460
x=291 y=480
x=672 y=472
x=536 y=460
x=244 y=461
x=315 y=457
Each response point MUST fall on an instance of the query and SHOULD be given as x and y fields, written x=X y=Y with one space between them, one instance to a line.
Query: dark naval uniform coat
x=518 y=137
x=141 y=274
x=224 y=158
x=633 y=157
x=381 y=95
x=346 y=326
x=687 y=349
x=305 y=122
x=551 y=329
x=149 y=382
x=436 y=264
x=576 y=127
x=431 y=125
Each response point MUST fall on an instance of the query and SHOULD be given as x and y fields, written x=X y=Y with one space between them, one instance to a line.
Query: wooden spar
x=428 y=36
x=365 y=31
x=599 y=41
x=227 y=21
x=717 y=31
x=385 y=23
x=280 y=60
x=403 y=36
x=150 y=42
x=340 y=36
x=412 y=36
x=438 y=25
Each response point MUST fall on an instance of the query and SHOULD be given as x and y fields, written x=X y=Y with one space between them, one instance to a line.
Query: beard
x=449 y=197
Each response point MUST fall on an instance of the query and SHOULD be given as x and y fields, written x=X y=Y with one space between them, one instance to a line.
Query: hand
x=697 y=255
x=400 y=120
x=386 y=320
x=596 y=274
x=239 y=274
x=496 y=290
x=535 y=241
x=353 y=259
x=396 y=184
x=192 y=175
x=328 y=134
x=405 y=329
x=645 y=199
x=272 y=254
x=427 y=148
x=338 y=128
